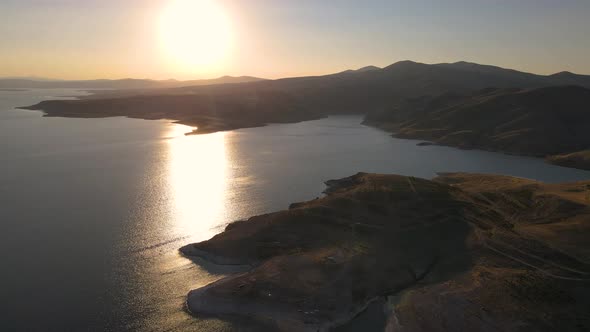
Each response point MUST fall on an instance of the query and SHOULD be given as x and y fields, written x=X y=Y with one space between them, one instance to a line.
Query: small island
x=462 y=252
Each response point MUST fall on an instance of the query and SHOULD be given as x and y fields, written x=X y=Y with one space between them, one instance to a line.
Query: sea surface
x=93 y=211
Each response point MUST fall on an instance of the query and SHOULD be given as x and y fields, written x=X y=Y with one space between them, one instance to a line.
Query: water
x=92 y=211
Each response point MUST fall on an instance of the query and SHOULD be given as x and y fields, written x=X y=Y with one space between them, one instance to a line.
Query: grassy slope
x=478 y=238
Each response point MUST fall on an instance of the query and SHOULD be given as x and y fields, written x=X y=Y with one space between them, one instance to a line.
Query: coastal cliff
x=462 y=252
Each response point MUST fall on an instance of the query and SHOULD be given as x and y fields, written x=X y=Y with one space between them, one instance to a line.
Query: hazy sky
x=275 y=38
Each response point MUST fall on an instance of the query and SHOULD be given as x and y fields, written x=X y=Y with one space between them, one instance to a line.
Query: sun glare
x=195 y=34
x=198 y=173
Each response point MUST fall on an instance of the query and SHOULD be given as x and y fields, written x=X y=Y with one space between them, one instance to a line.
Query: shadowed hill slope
x=541 y=121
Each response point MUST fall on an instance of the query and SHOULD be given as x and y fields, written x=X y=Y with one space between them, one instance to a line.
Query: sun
x=195 y=34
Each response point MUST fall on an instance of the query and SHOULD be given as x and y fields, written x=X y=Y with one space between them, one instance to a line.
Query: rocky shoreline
x=545 y=122
x=580 y=160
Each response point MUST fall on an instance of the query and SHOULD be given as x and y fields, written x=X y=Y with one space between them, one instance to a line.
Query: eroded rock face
x=462 y=242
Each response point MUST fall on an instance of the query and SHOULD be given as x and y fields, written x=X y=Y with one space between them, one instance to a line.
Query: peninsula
x=464 y=252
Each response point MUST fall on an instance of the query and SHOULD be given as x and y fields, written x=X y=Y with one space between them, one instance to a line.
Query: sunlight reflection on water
x=195 y=181
x=198 y=169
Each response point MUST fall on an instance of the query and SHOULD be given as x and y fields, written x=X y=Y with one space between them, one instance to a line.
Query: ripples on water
x=94 y=210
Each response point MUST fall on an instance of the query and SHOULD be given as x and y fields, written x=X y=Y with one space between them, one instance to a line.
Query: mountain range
x=461 y=104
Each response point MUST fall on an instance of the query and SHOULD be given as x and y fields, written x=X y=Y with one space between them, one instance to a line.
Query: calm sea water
x=92 y=211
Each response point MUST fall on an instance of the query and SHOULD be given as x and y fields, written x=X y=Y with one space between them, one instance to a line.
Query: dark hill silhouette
x=371 y=88
x=361 y=70
x=542 y=121
x=363 y=91
x=367 y=68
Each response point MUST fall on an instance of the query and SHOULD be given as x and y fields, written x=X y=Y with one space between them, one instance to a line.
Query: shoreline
x=210 y=121
x=555 y=159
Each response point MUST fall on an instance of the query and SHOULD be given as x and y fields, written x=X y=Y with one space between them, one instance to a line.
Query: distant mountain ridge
x=30 y=78
x=126 y=83
x=360 y=70
x=431 y=78
x=365 y=91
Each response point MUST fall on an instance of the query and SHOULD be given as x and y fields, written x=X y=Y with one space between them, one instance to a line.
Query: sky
x=86 y=39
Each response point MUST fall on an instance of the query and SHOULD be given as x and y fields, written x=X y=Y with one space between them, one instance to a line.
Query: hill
x=486 y=251
x=540 y=122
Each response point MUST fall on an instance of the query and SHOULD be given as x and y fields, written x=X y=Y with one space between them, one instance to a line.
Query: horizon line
x=48 y=79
